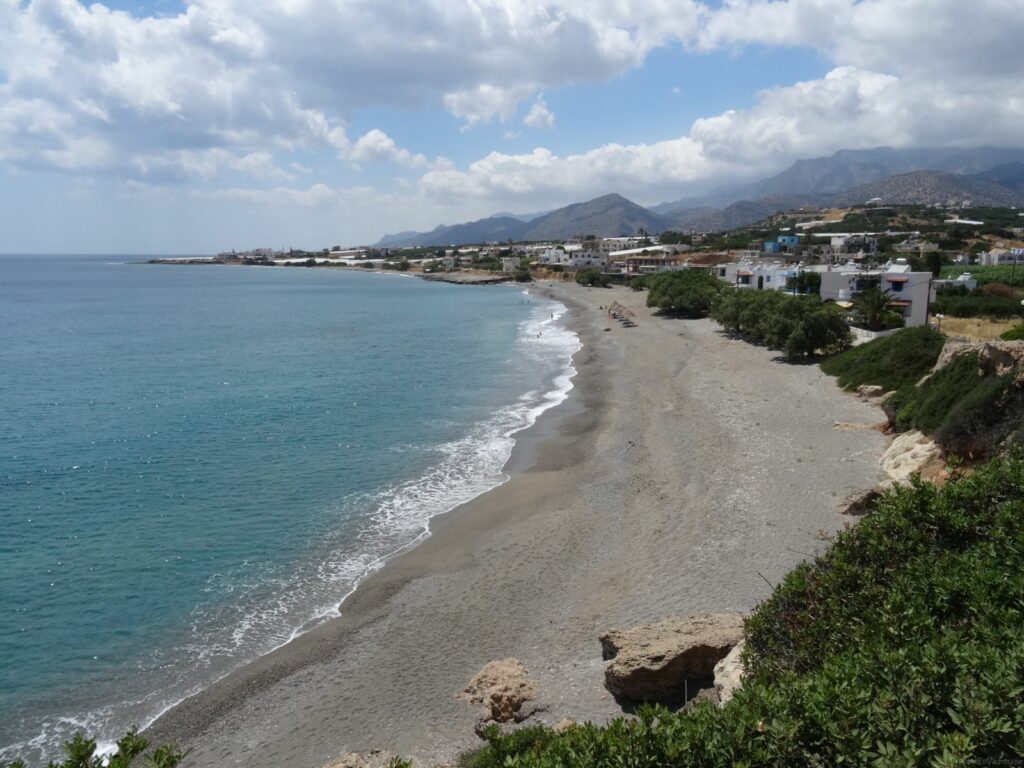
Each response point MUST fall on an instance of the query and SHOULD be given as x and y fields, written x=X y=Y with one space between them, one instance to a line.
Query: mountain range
x=986 y=176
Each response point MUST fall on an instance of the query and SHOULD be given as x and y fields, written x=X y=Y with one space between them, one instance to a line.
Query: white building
x=757 y=275
x=573 y=258
x=509 y=264
x=911 y=292
x=610 y=244
x=551 y=257
x=965 y=281
x=584 y=259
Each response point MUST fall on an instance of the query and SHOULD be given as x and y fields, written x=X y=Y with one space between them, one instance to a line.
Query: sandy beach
x=684 y=472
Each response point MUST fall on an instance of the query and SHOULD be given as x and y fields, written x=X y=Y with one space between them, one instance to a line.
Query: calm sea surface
x=199 y=462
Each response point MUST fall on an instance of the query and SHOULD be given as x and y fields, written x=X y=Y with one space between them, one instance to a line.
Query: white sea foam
x=267 y=611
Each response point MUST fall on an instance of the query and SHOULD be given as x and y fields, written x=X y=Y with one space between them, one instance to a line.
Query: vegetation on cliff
x=890 y=362
x=899 y=646
x=969 y=410
x=971 y=407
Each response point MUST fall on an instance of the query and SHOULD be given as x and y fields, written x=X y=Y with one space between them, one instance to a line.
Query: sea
x=200 y=463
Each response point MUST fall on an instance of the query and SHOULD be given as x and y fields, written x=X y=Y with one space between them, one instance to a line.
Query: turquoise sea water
x=199 y=462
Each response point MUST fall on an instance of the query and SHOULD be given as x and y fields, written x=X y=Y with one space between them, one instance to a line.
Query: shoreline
x=609 y=517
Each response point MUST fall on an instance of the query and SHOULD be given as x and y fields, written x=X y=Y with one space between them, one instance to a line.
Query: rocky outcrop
x=505 y=691
x=729 y=673
x=994 y=357
x=910 y=453
x=655 y=662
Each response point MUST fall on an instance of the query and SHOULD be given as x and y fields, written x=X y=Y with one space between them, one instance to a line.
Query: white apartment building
x=911 y=292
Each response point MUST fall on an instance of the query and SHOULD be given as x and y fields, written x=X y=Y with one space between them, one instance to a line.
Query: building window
x=896 y=287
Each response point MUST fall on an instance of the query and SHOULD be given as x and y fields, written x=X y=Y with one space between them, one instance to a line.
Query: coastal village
x=913 y=254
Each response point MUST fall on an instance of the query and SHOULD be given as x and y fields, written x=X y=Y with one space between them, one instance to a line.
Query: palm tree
x=873 y=304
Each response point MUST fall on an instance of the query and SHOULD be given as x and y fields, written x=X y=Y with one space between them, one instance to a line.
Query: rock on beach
x=654 y=662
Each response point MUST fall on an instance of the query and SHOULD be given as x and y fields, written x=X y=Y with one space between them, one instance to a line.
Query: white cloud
x=901 y=37
x=539 y=115
x=207 y=165
x=280 y=75
x=313 y=196
x=232 y=88
x=486 y=101
x=849 y=108
x=541 y=177
x=375 y=146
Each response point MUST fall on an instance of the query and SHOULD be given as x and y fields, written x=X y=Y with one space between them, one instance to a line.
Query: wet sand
x=684 y=471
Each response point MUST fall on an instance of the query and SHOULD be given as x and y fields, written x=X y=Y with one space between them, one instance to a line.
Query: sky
x=194 y=126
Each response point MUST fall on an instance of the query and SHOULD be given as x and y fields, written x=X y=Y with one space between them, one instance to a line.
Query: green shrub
x=1014 y=334
x=890 y=362
x=592 y=277
x=900 y=646
x=638 y=283
x=801 y=326
x=686 y=292
x=978 y=303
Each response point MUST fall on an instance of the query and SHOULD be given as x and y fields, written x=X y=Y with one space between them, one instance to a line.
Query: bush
x=890 y=362
x=522 y=275
x=801 y=326
x=1014 y=334
x=637 y=283
x=686 y=293
x=900 y=646
x=978 y=303
x=592 y=277
x=968 y=413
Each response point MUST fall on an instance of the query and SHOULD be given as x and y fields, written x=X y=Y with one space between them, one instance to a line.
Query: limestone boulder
x=909 y=453
x=729 y=674
x=656 y=662
x=504 y=689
